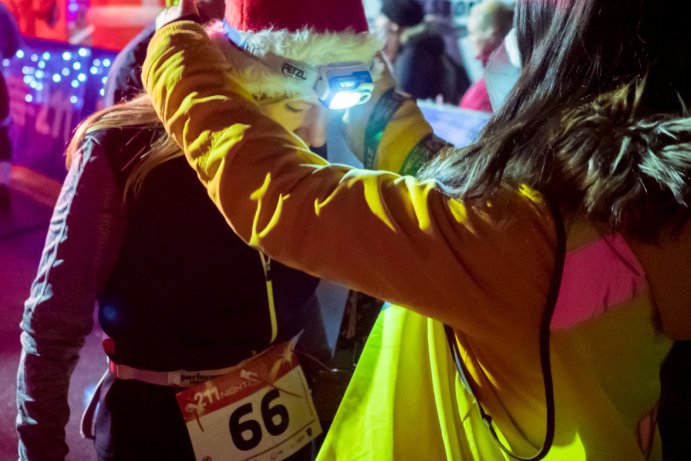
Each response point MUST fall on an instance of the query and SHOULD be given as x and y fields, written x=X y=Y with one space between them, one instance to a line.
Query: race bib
x=261 y=410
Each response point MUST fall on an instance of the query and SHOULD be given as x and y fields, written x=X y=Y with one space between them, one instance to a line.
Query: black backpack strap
x=545 y=360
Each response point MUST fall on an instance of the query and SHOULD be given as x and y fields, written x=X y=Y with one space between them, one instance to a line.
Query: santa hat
x=312 y=32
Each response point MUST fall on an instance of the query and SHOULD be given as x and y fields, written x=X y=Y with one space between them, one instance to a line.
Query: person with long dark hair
x=488 y=23
x=542 y=269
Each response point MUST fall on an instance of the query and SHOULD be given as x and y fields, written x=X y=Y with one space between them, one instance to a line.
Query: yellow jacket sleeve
x=485 y=269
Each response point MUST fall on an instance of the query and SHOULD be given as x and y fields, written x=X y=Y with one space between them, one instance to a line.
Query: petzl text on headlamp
x=338 y=85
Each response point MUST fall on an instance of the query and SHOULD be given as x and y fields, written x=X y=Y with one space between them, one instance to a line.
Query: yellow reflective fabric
x=405 y=401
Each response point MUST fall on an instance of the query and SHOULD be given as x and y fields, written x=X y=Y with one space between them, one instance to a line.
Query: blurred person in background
x=178 y=293
x=30 y=12
x=417 y=50
x=488 y=23
x=10 y=41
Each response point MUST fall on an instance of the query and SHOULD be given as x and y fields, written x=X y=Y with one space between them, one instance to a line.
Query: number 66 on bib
x=261 y=410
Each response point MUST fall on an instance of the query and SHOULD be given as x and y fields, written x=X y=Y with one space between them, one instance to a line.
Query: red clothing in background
x=476 y=98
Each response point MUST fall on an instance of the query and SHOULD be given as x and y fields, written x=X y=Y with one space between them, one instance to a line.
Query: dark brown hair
x=597 y=120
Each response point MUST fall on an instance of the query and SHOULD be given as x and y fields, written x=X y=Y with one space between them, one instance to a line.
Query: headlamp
x=344 y=85
x=338 y=85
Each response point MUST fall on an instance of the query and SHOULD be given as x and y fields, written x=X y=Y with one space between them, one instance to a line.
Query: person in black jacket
x=177 y=310
x=416 y=48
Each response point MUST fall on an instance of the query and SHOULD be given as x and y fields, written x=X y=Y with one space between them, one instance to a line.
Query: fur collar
x=305 y=45
x=630 y=158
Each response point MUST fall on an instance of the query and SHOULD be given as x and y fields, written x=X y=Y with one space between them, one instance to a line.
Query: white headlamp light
x=338 y=85
x=344 y=85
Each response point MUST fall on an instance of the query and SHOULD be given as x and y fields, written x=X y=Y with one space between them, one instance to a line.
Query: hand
x=186 y=9
x=355 y=119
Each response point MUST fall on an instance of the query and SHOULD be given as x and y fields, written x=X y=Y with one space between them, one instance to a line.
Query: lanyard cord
x=545 y=361
x=381 y=116
x=266 y=265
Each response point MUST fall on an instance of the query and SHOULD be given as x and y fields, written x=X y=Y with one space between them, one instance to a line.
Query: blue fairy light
x=76 y=73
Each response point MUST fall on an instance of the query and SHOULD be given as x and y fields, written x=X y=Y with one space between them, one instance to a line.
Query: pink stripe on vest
x=597 y=277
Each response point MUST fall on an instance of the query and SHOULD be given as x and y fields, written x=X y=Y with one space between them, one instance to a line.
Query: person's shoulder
x=122 y=145
x=140 y=42
x=121 y=136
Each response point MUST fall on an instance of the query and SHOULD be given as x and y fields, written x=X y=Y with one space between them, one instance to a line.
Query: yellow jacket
x=484 y=270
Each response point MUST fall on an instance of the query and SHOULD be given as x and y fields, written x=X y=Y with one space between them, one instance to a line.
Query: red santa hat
x=293 y=15
x=314 y=32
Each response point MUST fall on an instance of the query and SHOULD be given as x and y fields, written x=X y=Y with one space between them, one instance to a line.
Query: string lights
x=70 y=69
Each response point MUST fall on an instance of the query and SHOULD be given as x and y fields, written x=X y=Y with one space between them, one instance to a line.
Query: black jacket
x=424 y=69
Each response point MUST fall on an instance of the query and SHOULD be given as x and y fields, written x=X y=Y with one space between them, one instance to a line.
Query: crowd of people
x=533 y=281
x=415 y=46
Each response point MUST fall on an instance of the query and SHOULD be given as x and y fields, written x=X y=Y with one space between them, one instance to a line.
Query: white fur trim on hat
x=306 y=46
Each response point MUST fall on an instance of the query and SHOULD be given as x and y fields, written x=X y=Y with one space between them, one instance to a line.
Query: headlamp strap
x=299 y=71
x=382 y=113
x=234 y=36
x=296 y=70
